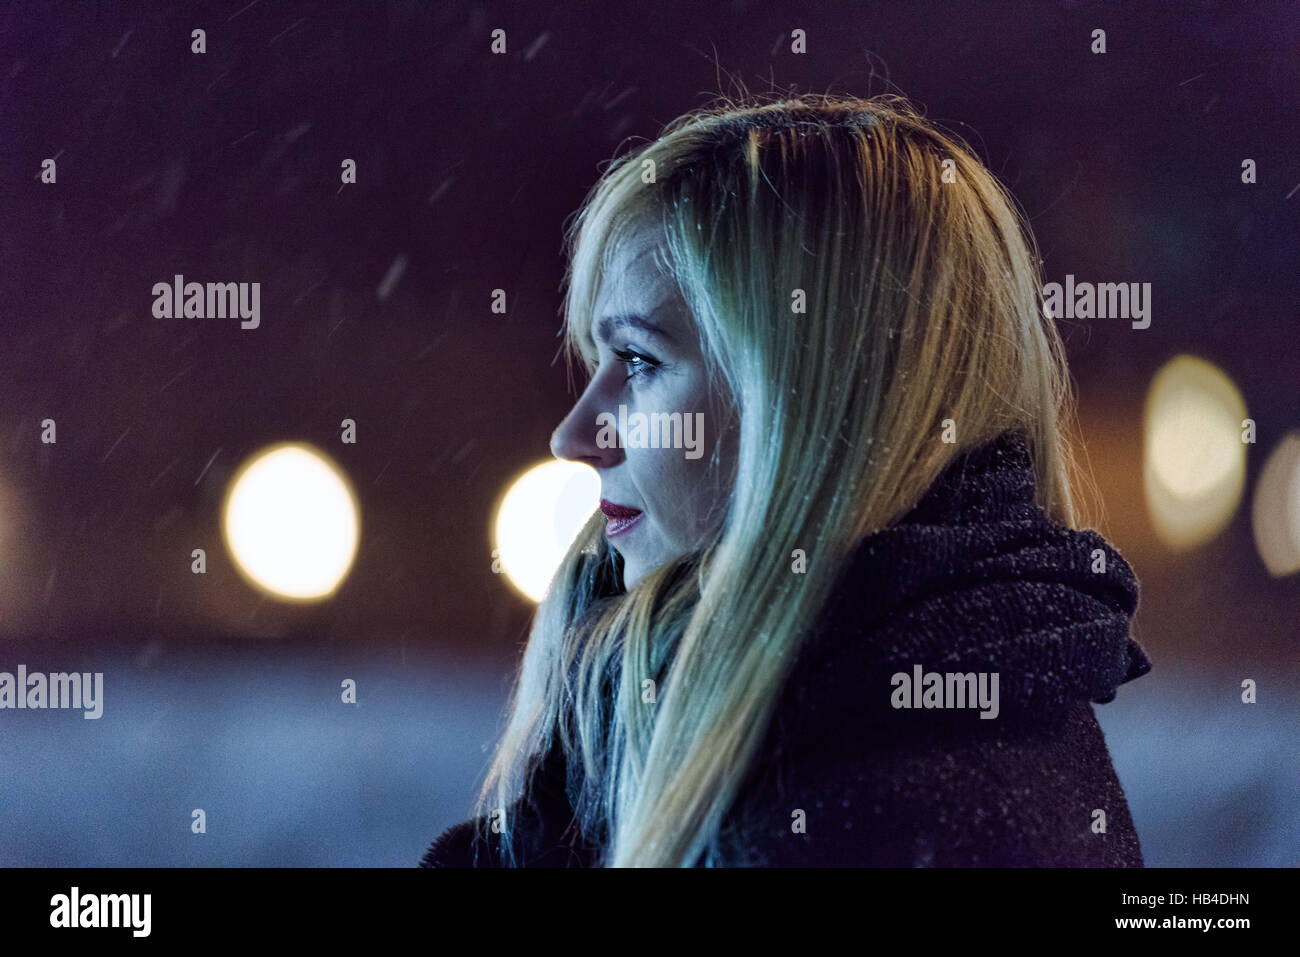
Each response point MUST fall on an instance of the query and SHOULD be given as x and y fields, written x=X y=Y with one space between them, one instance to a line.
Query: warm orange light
x=1194 y=461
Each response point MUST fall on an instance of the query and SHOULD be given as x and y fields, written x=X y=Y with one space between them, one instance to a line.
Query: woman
x=854 y=624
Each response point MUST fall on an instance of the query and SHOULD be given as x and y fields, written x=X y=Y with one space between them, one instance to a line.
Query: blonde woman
x=850 y=619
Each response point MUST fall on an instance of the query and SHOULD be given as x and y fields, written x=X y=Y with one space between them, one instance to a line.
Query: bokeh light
x=539 y=517
x=1275 y=516
x=291 y=522
x=1194 y=460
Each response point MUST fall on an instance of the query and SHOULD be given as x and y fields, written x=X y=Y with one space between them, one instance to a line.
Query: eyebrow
x=606 y=327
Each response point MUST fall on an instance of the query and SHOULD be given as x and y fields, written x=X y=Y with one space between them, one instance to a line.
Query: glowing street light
x=291 y=522
x=539 y=518
x=1194 y=462
x=1275 y=515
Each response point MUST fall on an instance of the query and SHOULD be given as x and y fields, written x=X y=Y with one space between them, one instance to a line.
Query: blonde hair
x=923 y=304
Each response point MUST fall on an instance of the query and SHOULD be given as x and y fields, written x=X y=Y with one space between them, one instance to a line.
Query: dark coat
x=976 y=578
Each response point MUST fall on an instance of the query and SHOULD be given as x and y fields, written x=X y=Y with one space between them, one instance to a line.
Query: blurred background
x=222 y=689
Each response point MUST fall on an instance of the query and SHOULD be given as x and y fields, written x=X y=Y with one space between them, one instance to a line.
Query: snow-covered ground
x=289 y=775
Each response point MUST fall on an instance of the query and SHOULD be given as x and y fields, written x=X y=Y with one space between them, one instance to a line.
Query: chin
x=632 y=573
x=637 y=568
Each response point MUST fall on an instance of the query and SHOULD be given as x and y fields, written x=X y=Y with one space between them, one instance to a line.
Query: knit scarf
x=975 y=578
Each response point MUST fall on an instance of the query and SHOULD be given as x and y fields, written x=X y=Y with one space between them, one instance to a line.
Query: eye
x=637 y=364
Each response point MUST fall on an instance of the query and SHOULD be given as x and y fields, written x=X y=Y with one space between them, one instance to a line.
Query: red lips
x=621 y=518
x=618 y=511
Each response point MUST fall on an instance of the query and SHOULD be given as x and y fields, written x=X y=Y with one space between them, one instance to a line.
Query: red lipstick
x=621 y=518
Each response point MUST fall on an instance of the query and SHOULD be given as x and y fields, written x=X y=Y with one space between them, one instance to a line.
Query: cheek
x=686 y=495
x=664 y=479
x=707 y=483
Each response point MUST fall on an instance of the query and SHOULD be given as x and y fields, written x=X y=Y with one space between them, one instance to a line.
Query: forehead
x=635 y=279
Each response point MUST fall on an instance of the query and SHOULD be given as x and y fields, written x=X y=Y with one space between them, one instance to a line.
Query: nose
x=575 y=438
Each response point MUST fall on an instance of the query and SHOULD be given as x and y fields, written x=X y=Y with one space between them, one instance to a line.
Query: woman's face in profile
x=650 y=388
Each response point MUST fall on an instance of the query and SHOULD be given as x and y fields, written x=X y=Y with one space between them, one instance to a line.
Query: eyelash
x=646 y=367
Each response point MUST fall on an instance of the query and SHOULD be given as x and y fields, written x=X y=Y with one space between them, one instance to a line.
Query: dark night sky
x=225 y=167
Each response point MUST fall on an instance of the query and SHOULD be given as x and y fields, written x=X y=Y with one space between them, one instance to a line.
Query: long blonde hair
x=923 y=304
